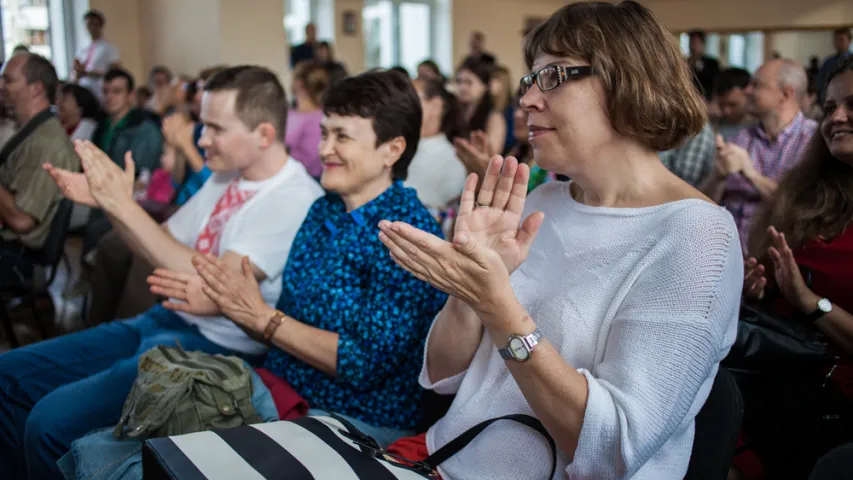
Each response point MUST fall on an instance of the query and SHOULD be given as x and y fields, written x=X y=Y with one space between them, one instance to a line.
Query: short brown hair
x=260 y=96
x=315 y=79
x=649 y=86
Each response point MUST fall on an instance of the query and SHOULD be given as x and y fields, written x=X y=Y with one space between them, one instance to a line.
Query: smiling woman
x=349 y=327
x=607 y=316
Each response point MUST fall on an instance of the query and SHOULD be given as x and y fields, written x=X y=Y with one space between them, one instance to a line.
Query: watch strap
x=530 y=341
x=272 y=325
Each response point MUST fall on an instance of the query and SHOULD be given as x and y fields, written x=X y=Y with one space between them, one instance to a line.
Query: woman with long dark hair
x=801 y=266
x=79 y=111
x=479 y=111
x=436 y=173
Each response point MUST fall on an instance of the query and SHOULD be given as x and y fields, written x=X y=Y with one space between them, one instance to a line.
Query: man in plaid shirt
x=693 y=161
x=748 y=168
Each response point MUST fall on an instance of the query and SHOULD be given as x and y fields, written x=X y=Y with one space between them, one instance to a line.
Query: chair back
x=717 y=429
x=51 y=252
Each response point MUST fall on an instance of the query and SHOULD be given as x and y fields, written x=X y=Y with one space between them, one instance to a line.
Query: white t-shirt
x=436 y=173
x=102 y=55
x=262 y=229
x=85 y=129
x=643 y=302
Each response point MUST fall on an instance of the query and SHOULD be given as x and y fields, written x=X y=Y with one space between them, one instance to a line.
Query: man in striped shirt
x=747 y=168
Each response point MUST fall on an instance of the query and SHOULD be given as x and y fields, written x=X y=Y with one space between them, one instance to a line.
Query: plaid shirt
x=694 y=160
x=772 y=159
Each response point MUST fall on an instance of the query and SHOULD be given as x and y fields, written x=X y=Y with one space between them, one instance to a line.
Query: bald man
x=747 y=169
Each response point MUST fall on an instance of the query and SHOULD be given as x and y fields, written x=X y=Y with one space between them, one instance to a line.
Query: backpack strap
x=460 y=442
x=18 y=138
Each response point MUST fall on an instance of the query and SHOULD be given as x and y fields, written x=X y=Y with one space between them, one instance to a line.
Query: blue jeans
x=56 y=391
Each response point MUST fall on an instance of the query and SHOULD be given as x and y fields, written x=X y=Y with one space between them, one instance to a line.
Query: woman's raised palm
x=494 y=219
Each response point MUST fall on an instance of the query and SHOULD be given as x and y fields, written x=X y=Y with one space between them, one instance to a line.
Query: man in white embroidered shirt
x=93 y=60
x=252 y=206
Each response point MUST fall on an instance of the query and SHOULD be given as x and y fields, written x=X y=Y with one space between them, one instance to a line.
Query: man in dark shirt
x=304 y=51
x=841 y=41
x=477 y=45
x=704 y=67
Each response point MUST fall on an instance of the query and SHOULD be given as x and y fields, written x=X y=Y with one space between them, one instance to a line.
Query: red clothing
x=229 y=203
x=411 y=448
x=290 y=405
x=831 y=265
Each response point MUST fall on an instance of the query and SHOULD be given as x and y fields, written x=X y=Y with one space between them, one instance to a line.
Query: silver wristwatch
x=520 y=347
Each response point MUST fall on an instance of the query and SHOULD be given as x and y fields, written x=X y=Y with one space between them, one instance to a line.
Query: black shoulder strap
x=22 y=134
x=460 y=442
x=369 y=445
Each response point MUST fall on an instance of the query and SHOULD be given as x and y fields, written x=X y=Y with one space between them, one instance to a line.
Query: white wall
x=800 y=45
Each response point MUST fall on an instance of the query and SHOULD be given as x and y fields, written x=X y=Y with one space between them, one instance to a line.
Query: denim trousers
x=56 y=391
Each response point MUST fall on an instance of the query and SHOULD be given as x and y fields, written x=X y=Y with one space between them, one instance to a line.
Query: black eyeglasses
x=550 y=77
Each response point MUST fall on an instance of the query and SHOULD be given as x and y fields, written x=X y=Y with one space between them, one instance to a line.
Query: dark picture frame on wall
x=350 y=22
x=530 y=23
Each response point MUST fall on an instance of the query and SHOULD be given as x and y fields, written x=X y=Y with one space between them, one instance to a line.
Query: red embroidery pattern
x=229 y=203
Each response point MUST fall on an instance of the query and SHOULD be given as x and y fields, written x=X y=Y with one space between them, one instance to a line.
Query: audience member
x=730 y=87
x=163 y=100
x=634 y=274
x=304 y=51
x=429 y=70
x=809 y=105
x=400 y=69
x=310 y=82
x=705 y=68
x=748 y=167
x=142 y=97
x=324 y=54
x=349 y=328
x=436 y=173
x=124 y=129
x=813 y=71
x=477 y=49
x=8 y=127
x=53 y=400
x=502 y=92
x=20 y=49
x=693 y=160
x=28 y=197
x=473 y=80
x=841 y=42
x=93 y=60
x=79 y=111
x=807 y=226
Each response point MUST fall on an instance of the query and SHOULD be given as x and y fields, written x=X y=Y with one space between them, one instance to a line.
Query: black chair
x=717 y=429
x=48 y=258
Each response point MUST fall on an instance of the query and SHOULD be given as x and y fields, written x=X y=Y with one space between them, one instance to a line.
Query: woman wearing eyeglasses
x=606 y=313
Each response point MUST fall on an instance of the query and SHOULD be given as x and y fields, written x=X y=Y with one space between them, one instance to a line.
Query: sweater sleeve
x=662 y=351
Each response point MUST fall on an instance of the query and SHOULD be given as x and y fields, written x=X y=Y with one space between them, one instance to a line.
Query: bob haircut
x=649 y=86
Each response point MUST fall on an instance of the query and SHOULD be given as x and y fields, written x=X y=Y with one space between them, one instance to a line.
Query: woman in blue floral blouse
x=349 y=328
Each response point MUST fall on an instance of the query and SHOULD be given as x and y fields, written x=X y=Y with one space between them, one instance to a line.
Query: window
x=299 y=13
x=742 y=50
x=407 y=32
x=38 y=25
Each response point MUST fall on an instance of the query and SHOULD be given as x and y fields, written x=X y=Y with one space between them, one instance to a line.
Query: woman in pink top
x=310 y=81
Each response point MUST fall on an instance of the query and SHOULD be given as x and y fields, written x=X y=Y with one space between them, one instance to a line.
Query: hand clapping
x=488 y=244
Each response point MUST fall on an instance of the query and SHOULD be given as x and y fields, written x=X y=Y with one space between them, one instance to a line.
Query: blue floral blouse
x=339 y=277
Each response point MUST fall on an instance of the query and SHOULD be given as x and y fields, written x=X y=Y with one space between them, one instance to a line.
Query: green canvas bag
x=178 y=392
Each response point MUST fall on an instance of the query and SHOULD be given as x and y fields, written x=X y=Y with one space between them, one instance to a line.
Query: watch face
x=824 y=305
x=518 y=348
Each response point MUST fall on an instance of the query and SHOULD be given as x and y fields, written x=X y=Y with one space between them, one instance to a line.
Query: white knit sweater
x=644 y=303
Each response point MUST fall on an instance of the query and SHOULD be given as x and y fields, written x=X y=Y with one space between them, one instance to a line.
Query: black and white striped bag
x=305 y=449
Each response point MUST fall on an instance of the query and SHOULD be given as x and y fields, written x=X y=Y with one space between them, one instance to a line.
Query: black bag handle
x=429 y=465
x=460 y=442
